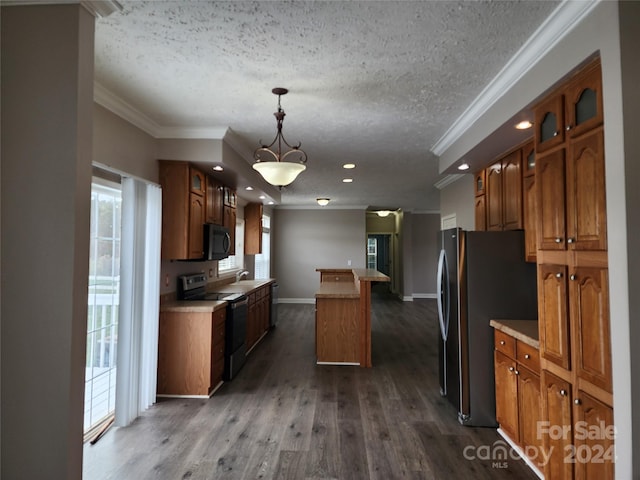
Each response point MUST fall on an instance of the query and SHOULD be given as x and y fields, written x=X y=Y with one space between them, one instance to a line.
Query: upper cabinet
x=214 y=195
x=572 y=110
x=189 y=200
x=570 y=177
x=183 y=208
x=504 y=193
x=253 y=228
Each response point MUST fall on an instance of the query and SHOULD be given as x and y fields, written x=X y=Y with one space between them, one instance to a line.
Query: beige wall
x=424 y=260
x=47 y=110
x=308 y=239
x=458 y=198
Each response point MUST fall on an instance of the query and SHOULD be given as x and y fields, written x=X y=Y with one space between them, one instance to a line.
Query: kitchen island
x=343 y=315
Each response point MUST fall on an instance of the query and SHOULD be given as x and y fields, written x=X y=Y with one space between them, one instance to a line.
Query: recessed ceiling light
x=347 y=180
x=271 y=202
x=218 y=168
x=349 y=165
x=463 y=166
x=322 y=201
x=249 y=188
x=524 y=125
x=262 y=197
x=383 y=213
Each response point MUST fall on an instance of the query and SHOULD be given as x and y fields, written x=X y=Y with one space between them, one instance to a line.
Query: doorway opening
x=379 y=257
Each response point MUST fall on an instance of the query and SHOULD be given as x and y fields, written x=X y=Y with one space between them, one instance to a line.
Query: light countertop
x=243 y=286
x=192 y=306
x=524 y=330
x=337 y=290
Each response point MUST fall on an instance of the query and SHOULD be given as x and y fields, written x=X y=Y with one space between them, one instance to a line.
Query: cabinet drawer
x=528 y=356
x=505 y=343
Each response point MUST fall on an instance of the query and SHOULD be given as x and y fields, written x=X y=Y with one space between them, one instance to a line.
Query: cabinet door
x=196 y=222
x=528 y=160
x=553 y=322
x=549 y=123
x=530 y=412
x=589 y=293
x=512 y=191
x=480 y=183
x=550 y=185
x=584 y=101
x=197 y=183
x=174 y=178
x=494 y=196
x=230 y=222
x=586 y=207
x=530 y=219
x=507 y=395
x=557 y=434
x=253 y=228
x=593 y=441
x=481 y=213
x=214 y=202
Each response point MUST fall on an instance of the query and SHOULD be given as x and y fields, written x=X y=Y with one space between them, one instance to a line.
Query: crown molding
x=448 y=180
x=561 y=21
x=217 y=133
x=98 y=8
x=111 y=102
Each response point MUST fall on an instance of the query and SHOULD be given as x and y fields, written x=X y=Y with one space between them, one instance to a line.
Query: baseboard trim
x=425 y=295
x=311 y=301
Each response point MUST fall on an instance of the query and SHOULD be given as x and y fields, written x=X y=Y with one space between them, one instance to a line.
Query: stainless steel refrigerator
x=481 y=276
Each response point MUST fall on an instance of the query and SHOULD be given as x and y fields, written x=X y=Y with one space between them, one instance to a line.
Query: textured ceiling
x=376 y=83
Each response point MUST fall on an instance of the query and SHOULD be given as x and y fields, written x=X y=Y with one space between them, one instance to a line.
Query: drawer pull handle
x=558 y=240
x=502 y=342
x=517 y=372
x=559 y=275
x=572 y=277
x=570 y=240
x=563 y=393
x=577 y=401
x=511 y=369
x=527 y=356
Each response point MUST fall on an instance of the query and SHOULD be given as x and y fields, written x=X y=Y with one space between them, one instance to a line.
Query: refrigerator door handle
x=443 y=294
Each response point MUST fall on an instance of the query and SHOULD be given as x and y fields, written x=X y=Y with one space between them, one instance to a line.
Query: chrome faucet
x=241 y=274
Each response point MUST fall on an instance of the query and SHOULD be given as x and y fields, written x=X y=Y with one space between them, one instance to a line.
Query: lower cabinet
x=578 y=433
x=517 y=383
x=190 y=352
x=258 y=314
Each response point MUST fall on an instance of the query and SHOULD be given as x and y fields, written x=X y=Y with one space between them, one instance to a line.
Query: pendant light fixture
x=277 y=167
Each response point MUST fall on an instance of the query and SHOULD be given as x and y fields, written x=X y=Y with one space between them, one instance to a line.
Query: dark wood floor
x=284 y=417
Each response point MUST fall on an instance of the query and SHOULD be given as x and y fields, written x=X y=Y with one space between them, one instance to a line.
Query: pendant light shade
x=279 y=173
x=277 y=167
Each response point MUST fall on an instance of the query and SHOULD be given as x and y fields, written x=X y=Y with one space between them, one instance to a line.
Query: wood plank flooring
x=284 y=417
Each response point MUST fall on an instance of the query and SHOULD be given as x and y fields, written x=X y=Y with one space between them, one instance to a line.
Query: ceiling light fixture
x=272 y=164
x=322 y=201
x=383 y=213
x=463 y=166
x=524 y=125
x=249 y=188
x=347 y=180
x=349 y=165
x=218 y=168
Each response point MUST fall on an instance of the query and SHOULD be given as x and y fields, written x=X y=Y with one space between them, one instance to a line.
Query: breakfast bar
x=343 y=315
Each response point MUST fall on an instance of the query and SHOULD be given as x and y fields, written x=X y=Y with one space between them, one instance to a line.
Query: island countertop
x=337 y=290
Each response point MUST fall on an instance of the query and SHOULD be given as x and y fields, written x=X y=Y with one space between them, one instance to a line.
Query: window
x=235 y=262
x=103 y=302
x=263 y=260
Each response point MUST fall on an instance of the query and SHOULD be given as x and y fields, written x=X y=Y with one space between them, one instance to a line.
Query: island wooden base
x=343 y=316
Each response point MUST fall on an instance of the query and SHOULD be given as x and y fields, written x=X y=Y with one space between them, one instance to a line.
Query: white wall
x=308 y=239
x=47 y=110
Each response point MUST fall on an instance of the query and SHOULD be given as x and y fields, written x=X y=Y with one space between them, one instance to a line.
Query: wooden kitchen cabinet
x=214 y=200
x=589 y=311
x=553 y=322
x=480 y=209
x=506 y=395
x=517 y=385
x=253 y=228
x=504 y=193
x=229 y=221
x=183 y=210
x=258 y=314
x=578 y=432
x=190 y=352
x=529 y=202
x=480 y=183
